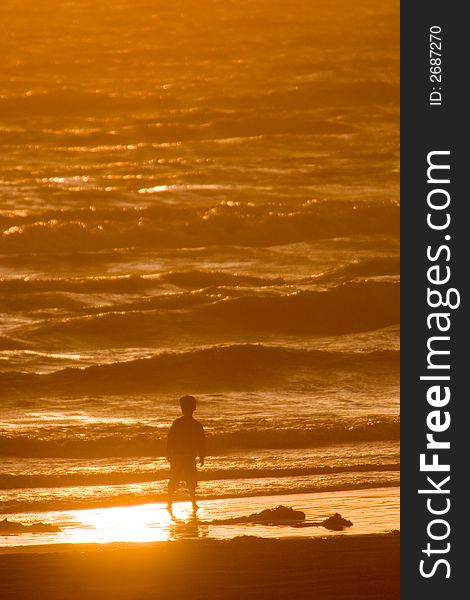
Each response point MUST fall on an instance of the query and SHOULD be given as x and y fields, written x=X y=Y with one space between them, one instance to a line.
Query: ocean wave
x=190 y=279
x=347 y=308
x=9 y=343
x=80 y=285
x=8 y=481
x=153 y=493
x=240 y=113
x=153 y=443
x=61 y=102
x=383 y=266
x=225 y=224
x=241 y=366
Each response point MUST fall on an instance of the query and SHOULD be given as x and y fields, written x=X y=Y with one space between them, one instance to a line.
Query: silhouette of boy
x=186 y=440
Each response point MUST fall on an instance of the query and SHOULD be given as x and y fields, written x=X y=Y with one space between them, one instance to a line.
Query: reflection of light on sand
x=375 y=510
x=122 y=524
x=147 y=523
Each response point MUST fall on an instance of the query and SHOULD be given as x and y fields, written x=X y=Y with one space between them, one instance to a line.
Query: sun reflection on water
x=121 y=524
x=372 y=511
x=148 y=523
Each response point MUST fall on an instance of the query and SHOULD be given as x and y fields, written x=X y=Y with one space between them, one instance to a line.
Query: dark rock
x=281 y=515
x=336 y=523
x=13 y=528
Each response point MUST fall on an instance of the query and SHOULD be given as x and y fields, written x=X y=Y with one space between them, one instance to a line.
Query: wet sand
x=372 y=511
x=340 y=567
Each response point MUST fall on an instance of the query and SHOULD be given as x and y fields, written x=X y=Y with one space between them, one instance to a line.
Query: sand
x=340 y=567
x=372 y=511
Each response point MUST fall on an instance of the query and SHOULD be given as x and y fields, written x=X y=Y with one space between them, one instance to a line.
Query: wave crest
x=225 y=224
x=153 y=443
x=243 y=366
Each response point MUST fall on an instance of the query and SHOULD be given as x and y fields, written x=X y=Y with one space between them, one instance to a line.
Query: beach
x=140 y=552
x=199 y=198
x=370 y=511
x=247 y=567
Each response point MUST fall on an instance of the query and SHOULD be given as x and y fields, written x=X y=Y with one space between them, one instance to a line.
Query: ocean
x=197 y=198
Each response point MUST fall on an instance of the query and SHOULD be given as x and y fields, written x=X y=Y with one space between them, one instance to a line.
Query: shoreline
x=116 y=546
x=334 y=568
x=371 y=511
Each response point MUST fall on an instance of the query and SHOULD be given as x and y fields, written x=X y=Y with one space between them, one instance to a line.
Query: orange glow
x=198 y=197
x=121 y=524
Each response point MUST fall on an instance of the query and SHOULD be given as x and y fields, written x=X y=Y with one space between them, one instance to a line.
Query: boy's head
x=188 y=405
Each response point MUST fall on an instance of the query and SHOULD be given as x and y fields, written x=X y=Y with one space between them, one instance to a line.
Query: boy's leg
x=192 y=493
x=172 y=483
x=191 y=481
x=171 y=491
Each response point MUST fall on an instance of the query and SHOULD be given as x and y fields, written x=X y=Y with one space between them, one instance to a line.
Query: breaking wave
x=243 y=366
x=188 y=279
x=85 y=479
x=347 y=308
x=153 y=442
x=226 y=224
